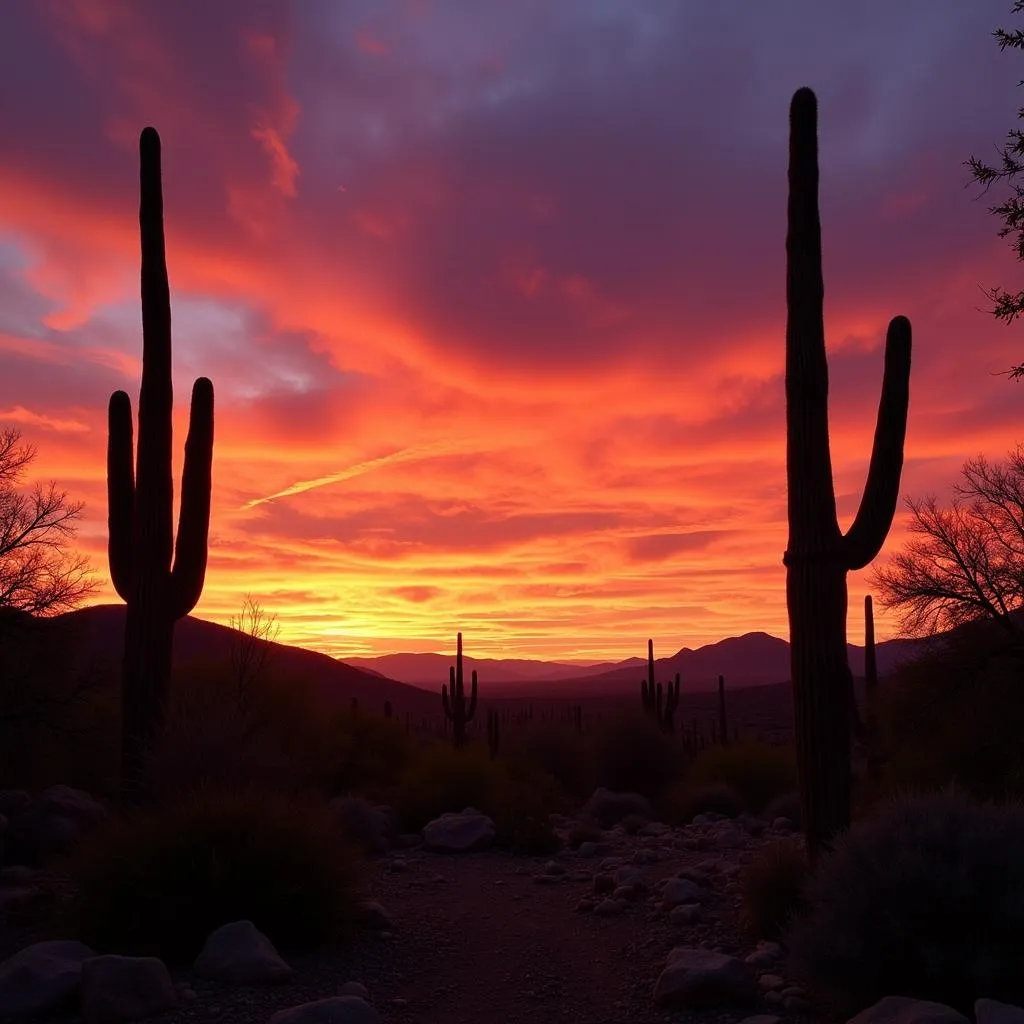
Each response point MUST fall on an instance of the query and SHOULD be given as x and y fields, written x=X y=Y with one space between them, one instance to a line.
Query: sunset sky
x=492 y=292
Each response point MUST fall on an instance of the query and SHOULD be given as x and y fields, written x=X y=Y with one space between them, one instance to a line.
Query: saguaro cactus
x=818 y=555
x=871 y=737
x=659 y=705
x=456 y=710
x=140 y=513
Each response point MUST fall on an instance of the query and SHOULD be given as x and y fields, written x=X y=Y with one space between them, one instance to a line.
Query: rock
x=603 y=883
x=122 y=988
x=459 y=832
x=632 y=877
x=609 y=908
x=608 y=808
x=681 y=890
x=771 y=981
x=336 y=1010
x=699 y=978
x=685 y=915
x=905 y=1010
x=42 y=978
x=587 y=849
x=989 y=1011
x=374 y=917
x=369 y=826
x=51 y=824
x=354 y=988
x=762 y=1018
x=240 y=954
x=729 y=838
x=782 y=825
x=766 y=954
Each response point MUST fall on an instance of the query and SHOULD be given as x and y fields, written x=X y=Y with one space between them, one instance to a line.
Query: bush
x=686 y=801
x=265 y=735
x=522 y=813
x=369 y=754
x=757 y=771
x=925 y=899
x=443 y=779
x=158 y=882
x=954 y=715
x=771 y=888
x=556 y=750
x=633 y=754
x=367 y=828
x=785 y=806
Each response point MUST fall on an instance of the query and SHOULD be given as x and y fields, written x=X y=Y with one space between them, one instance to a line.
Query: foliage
x=771 y=888
x=967 y=561
x=686 y=800
x=556 y=750
x=954 y=714
x=369 y=754
x=758 y=771
x=634 y=754
x=924 y=899
x=158 y=882
x=1008 y=305
x=442 y=779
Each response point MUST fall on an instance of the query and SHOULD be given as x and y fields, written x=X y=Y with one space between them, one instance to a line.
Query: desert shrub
x=368 y=754
x=924 y=899
x=786 y=805
x=757 y=771
x=522 y=813
x=954 y=715
x=267 y=734
x=585 y=831
x=442 y=778
x=633 y=754
x=556 y=750
x=771 y=888
x=158 y=882
x=367 y=828
x=685 y=801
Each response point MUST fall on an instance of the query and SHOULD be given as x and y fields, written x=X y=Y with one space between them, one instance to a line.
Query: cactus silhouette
x=723 y=723
x=456 y=709
x=157 y=590
x=871 y=736
x=656 y=703
x=818 y=554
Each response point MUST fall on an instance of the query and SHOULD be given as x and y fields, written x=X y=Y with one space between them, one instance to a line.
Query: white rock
x=42 y=978
x=989 y=1011
x=458 y=832
x=904 y=1010
x=699 y=978
x=122 y=988
x=240 y=954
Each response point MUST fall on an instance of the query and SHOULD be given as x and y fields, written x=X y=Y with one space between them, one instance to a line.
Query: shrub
x=686 y=801
x=555 y=749
x=771 y=888
x=633 y=754
x=924 y=899
x=364 y=825
x=369 y=754
x=158 y=882
x=757 y=771
x=522 y=813
x=444 y=779
x=954 y=715
x=581 y=832
x=787 y=805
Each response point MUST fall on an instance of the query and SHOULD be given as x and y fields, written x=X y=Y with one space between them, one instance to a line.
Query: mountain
x=431 y=670
x=754 y=659
x=99 y=633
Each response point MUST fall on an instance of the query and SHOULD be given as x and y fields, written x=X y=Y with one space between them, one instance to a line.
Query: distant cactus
x=656 y=703
x=871 y=736
x=140 y=499
x=723 y=723
x=818 y=555
x=493 y=734
x=456 y=709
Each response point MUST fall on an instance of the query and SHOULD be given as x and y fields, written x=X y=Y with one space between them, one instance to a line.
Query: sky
x=492 y=294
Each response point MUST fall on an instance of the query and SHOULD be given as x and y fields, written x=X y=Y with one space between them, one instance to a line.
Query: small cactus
x=659 y=705
x=456 y=709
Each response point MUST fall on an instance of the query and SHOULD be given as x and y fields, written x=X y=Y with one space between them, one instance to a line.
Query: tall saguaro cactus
x=157 y=588
x=456 y=709
x=871 y=737
x=818 y=554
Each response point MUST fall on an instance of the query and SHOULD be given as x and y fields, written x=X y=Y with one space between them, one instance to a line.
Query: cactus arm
x=189 y=572
x=471 y=711
x=120 y=493
x=865 y=537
